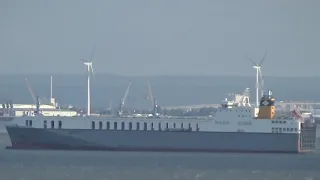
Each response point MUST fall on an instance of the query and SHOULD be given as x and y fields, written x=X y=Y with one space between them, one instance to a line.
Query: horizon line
x=150 y=76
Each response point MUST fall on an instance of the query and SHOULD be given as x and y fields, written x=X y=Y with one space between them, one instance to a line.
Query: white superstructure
x=31 y=109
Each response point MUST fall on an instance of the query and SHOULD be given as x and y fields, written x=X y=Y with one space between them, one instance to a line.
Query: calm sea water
x=80 y=165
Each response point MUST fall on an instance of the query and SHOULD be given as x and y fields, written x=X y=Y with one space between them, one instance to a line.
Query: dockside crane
x=34 y=98
x=152 y=99
x=31 y=91
x=123 y=100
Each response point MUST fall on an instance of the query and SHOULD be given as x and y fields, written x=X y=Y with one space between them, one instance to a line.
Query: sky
x=167 y=37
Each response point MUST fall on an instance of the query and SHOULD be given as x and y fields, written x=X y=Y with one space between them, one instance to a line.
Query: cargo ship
x=235 y=127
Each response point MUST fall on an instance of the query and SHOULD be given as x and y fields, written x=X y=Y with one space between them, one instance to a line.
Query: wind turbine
x=90 y=71
x=259 y=85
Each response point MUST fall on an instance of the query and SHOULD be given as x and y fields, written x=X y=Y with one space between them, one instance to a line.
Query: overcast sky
x=152 y=37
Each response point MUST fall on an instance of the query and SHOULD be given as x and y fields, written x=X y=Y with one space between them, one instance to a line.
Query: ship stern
x=307 y=138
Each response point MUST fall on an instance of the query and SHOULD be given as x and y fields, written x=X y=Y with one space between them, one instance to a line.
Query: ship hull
x=117 y=140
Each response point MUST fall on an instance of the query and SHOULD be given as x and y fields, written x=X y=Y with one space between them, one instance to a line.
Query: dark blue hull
x=112 y=140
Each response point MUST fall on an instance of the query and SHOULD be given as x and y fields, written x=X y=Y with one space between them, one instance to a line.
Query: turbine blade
x=252 y=62
x=83 y=60
x=92 y=53
x=264 y=57
x=92 y=69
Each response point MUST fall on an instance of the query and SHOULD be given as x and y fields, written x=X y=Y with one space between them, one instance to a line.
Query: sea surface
x=101 y=165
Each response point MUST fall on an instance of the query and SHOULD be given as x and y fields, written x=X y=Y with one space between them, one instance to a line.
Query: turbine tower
x=259 y=84
x=90 y=71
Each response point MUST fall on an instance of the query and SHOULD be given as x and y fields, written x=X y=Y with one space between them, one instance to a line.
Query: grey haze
x=167 y=37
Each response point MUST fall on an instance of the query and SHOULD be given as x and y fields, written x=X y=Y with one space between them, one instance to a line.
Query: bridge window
x=93 y=125
x=174 y=125
x=27 y=122
x=181 y=125
x=138 y=126
x=197 y=128
x=59 y=124
x=30 y=123
x=152 y=128
x=52 y=124
x=45 y=124
x=122 y=125
x=190 y=128
x=115 y=126
x=100 y=125
x=108 y=125
x=130 y=125
x=167 y=125
x=145 y=126
x=275 y=130
x=159 y=126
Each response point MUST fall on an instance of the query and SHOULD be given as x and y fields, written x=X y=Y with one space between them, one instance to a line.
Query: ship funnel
x=266 y=108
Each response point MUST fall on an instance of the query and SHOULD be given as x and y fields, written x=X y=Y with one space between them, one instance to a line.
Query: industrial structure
x=37 y=108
